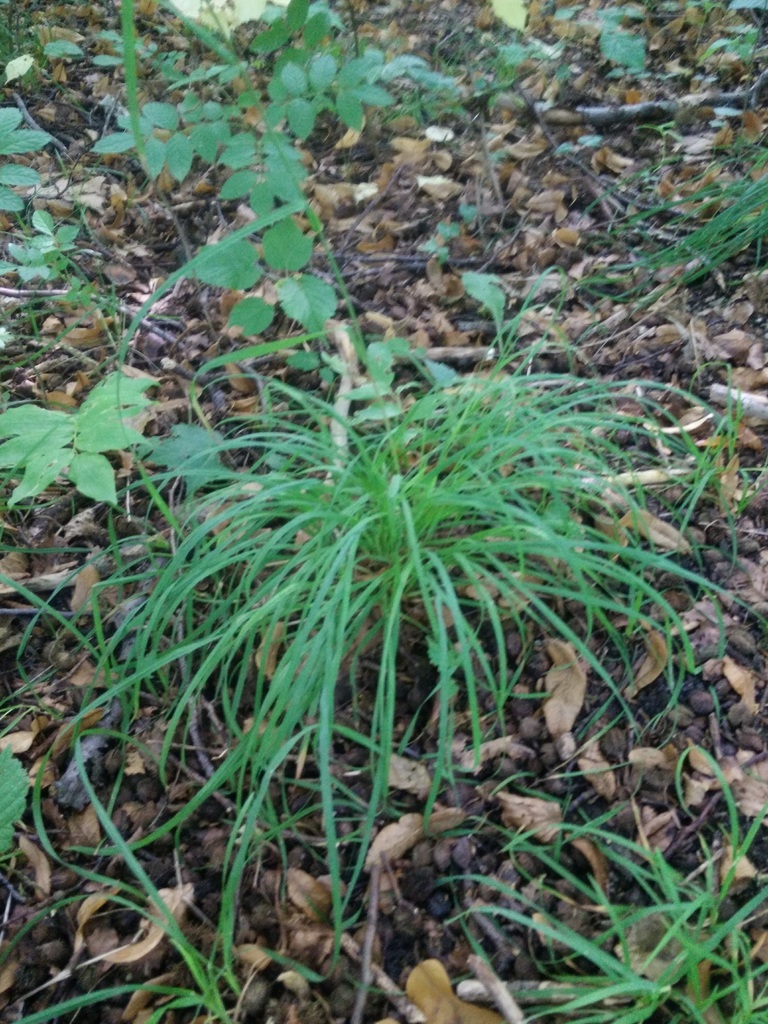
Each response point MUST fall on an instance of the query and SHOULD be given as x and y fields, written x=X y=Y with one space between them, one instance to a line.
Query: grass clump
x=442 y=521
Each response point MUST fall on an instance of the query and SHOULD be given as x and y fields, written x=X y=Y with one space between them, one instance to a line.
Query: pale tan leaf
x=409 y=775
x=176 y=901
x=142 y=997
x=395 y=839
x=595 y=858
x=295 y=983
x=19 y=741
x=443 y=819
x=743 y=681
x=429 y=988
x=253 y=955
x=85 y=581
x=308 y=894
x=566 y=683
x=531 y=814
x=597 y=771
x=654 y=662
x=39 y=862
x=662 y=535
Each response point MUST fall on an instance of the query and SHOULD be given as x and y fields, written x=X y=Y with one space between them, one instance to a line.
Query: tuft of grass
x=656 y=945
x=458 y=516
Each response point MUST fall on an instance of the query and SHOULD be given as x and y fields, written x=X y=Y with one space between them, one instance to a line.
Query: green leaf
x=350 y=109
x=294 y=79
x=240 y=151
x=100 y=419
x=35 y=428
x=307 y=299
x=300 y=115
x=62 y=48
x=118 y=142
x=623 y=48
x=486 y=290
x=10 y=202
x=155 y=152
x=511 y=12
x=178 y=156
x=42 y=468
x=239 y=184
x=192 y=452
x=254 y=315
x=94 y=477
x=13 y=795
x=231 y=263
x=286 y=247
x=322 y=71
x=161 y=115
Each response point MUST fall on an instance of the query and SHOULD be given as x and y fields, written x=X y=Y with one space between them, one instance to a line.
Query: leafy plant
x=46 y=443
x=13 y=140
x=43 y=255
x=13 y=795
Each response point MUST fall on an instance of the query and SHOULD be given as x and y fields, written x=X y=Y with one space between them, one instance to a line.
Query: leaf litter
x=553 y=219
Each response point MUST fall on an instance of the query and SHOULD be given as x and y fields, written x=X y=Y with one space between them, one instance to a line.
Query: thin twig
x=56 y=143
x=367 y=948
x=382 y=981
x=497 y=990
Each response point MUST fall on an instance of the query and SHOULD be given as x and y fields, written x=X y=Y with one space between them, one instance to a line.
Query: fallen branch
x=751 y=405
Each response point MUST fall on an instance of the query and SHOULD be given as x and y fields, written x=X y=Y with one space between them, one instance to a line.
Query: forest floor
x=580 y=216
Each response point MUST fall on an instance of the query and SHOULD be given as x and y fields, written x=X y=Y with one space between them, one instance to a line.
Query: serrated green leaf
x=231 y=263
x=42 y=467
x=349 y=108
x=13 y=795
x=294 y=79
x=178 y=156
x=286 y=247
x=100 y=420
x=93 y=476
x=322 y=71
x=118 y=142
x=623 y=48
x=239 y=185
x=307 y=299
x=254 y=315
x=300 y=115
x=486 y=290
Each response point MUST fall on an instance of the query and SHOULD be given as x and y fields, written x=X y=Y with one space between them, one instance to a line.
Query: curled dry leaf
x=308 y=894
x=175 y=900
x=597 y=771
x=653 y=664
x=429 y=988
x=743 y=681
x=659 y=533
x=408 y=775
x=596 y=860
x=395 y=839
x=40 y=863
x=253 y=955
x=566 y=683
x=531 y=814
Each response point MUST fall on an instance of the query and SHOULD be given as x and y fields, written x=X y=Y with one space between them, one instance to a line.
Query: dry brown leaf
x=443 y=819
x=176 y=901
x=142 y=997
x=596 y=860
x=84 y=583
x=659 y=533
x=504 y=746
x=395 y=839
x=253 y=956
x=39 y=862
x=531 y=814
x=652 y=757
x=566 y=683
x=597 y=771
x=409 y=775
x=308 y=894
x=429 y=988
x=18 y=741
x=653 y=664
x=743 y=681
x=437 y=186
x=743 y=869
